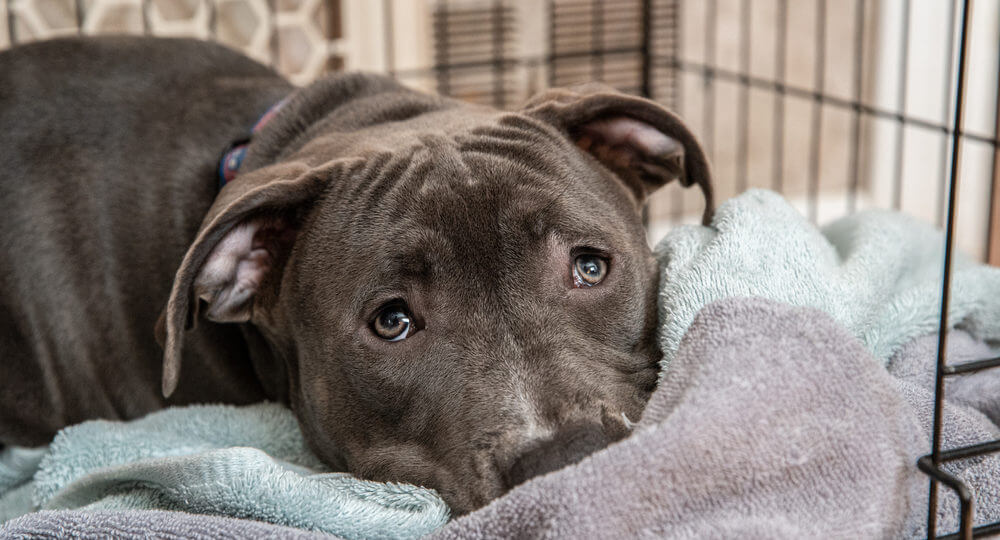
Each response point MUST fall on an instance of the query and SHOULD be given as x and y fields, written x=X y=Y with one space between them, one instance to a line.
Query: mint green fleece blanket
x=877 y=273
x=248 y=462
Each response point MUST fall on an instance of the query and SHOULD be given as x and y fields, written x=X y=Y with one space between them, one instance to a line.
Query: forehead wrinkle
x=425 y=252
x=404 y=170
x=523 y=140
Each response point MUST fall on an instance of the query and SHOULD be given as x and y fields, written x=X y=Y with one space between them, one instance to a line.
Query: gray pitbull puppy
x=444 y=294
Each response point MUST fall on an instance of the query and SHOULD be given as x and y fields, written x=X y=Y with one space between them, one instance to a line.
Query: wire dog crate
x=776 y=99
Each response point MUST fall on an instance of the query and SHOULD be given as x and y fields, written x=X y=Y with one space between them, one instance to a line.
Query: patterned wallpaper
x=301 y=38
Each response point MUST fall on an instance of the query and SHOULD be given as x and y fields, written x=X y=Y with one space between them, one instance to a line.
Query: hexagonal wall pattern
x=297 y=37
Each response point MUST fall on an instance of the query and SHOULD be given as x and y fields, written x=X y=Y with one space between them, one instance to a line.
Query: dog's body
x=360 y=203
x=108 y=167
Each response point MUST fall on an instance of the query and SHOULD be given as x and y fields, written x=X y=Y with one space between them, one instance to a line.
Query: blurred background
x=839 y=104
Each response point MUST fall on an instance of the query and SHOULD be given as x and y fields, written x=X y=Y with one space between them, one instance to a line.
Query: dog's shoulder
x=106 y=55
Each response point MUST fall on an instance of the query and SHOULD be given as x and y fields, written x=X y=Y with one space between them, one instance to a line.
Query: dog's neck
x=338 y=103
x=232 y=156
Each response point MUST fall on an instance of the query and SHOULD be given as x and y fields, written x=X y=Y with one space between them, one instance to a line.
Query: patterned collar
x=232 y=156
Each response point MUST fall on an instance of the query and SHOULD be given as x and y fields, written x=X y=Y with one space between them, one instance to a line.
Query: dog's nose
x=569 y=445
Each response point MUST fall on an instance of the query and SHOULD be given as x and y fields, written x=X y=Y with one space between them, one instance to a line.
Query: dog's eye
x=589 y=270
x=393 y=322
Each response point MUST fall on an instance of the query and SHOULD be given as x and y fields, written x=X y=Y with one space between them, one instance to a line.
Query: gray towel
x=964 y=423
x=915 y=363
x=124 y=524
x=773 y=421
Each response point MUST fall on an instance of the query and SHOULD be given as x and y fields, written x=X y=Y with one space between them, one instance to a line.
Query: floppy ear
x=641 y=142
x=243 y=240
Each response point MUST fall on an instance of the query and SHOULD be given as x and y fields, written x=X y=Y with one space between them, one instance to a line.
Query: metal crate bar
x=743 y=108
x=859 y=60
x=901 y=95
x=11 y=26
x=825 y=99
x=977 y=532
x=971 y=451
x=971 y=367
x=778 y=143
x=931 y=464
x=946 y=110
x=816 y=130
x=708 y=81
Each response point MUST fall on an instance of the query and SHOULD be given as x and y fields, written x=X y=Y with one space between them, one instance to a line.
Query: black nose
x=569 y=445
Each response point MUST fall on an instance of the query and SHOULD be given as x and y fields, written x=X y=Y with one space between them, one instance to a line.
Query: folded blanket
x=198 y=459
x=877 y=273
x=750 y=434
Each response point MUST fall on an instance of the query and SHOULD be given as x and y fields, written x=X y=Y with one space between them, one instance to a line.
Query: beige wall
x=305 y=38
x=300 y=37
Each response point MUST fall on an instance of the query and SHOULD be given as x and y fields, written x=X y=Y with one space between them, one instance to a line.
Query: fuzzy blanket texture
x=775 y=415
x=246 y=462
x=877 y=273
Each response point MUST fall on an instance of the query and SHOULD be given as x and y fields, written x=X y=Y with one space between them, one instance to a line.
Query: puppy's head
x=459 y=298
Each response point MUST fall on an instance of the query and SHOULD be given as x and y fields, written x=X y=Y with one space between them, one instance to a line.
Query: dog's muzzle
x=568 y=446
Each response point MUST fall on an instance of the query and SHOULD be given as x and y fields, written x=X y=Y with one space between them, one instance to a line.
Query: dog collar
x=232 y=156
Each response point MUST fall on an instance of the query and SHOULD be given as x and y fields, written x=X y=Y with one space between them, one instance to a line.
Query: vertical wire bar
x=946 y=285
x=855 y=156
x=213 y=19
x=901 y=91
x=498 y=59
x=671 y=46
x=276 y=35
x=441 y=14
x=946 y=110
x=743 y=111
x=708 y=105
x=78 y=12
x=993 y=241
x=645 y=84
x=812 y=193
x=646 y=50
x=144 y=11
x=272 y=24
x=781 y=49
x=596 y=40
x=388 y=37
x=11 y=30
x=677 y=203
x=551 y=53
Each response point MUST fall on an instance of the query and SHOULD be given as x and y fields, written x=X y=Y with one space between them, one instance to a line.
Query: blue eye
x=589 y=270
x=393 y=322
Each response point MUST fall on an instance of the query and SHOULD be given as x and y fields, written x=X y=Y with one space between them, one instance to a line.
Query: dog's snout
x=568 y=446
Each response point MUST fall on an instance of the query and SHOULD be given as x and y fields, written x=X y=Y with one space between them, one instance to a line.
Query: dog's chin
x=464 y=487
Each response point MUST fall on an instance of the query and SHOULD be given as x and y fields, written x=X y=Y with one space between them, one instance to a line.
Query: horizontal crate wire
x=841 y=105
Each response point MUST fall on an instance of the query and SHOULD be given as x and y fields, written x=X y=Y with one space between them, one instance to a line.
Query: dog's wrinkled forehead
x=491 y=188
